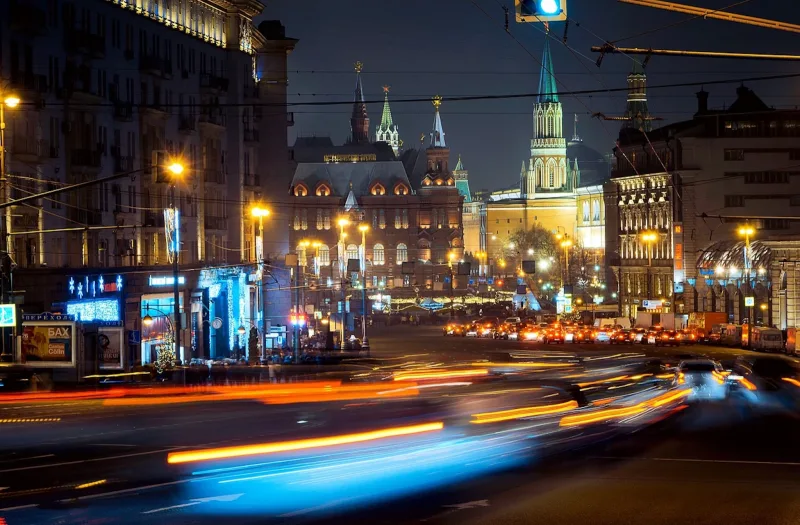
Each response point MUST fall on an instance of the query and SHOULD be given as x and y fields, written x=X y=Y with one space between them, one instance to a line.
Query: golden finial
x=359 y=66
x=437 y=101
x=386 y=89
x=422 y=137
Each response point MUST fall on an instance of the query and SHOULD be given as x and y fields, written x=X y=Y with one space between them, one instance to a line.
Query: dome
x=593 y=165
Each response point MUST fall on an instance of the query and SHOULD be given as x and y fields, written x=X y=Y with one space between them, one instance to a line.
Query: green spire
x=548 y=91
x=386 y=117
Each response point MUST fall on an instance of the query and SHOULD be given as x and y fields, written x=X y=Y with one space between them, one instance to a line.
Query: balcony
x=187 y=124
x=155 y=65
x=83 y=42
x=213 y=176
x=251 y=135
x=123 y=163
x=85 y=158
x=27 y=19
x=29 y=150
x=123 y=111
x=216 y=223
x=23 y=81
x=213 y=83
x=153 y=219
x=213 y=116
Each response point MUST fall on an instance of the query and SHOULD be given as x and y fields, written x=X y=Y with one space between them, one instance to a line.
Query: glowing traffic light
x=541 y=10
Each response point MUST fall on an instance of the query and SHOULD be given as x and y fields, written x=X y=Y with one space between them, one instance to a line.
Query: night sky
x=423 y=48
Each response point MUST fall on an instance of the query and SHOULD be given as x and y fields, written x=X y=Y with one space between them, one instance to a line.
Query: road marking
x=197 y=501
x=27 y=458
x=468 y=505
x=93 y=460
x=695 y=460
x=314 y=509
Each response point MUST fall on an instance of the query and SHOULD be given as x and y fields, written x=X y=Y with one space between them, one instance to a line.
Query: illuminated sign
x=8 y=315
x=89 y=286
x=750 y=301
x=354 y=157
x=166 y=281
x=95 y=310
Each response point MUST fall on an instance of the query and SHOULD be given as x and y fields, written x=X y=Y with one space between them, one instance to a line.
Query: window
x=734 y=154
x=734 y=201
x=378 y=256
x=326 y=219
x=776 y=224
x=585 y=212
x=378 y=189
x=324 y=255
x=323 y=190
x=382 y=219
x=319 y=219
x=766 y=177
x=352 y=252
x=402 y=253
x=300 y=191
x=405 y=219
x=398 y=220
x=596 y=210
x=304 y=218
x=401 y=189
x=301 y=255
x=296 y=220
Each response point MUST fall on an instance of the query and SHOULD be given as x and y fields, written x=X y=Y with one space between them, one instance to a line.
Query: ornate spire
x=461 y=177
x=387 y=131
x=575 y=136
x=548 y=90
x=437 y=135
x=459 y=164
x=359 y=120
x=637 y=114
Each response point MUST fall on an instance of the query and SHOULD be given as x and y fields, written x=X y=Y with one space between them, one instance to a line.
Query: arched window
x=301 y=254
x=401 y=189
x=596 y=210
x=402 y=253
x=323 y=190
x=319 y=219
x=551 y=175
x=352 y=251
x=300 y=190
x=378 y=189
x=324 y=255
x=585 y=211
x=378 y=255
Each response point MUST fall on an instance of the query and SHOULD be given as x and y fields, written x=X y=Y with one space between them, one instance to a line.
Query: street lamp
x=364 y=228
x=451 y=256
x=342 y=222
x=176 y=169
x=566 y=243
x=748 y=231
x=648 y=238
x=11 y=101
x=258 y=211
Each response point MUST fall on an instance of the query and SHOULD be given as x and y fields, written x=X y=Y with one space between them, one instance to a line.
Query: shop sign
x=165 y=280
x=47 y=317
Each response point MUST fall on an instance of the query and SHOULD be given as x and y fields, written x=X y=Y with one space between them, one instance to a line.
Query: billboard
x=109 y=348
x=48 y=344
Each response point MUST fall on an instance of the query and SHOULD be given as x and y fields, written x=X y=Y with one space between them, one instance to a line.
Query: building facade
x=110 y=86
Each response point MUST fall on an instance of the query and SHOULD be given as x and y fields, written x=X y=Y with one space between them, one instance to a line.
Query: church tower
x=359 y=120
x=547 y=169
x=387 y=131
x=637 y=114
x=461 y=177
x=437 y=153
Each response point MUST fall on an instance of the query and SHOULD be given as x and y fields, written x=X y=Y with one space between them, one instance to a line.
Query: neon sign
x=166 y=281
x=95 y=310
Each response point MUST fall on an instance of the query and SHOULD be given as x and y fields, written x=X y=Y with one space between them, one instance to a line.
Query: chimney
x=702 y=102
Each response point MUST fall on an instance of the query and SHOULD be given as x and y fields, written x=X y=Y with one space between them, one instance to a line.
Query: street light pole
x=363 y=228
x=747 y=231
x=261 y=212
x=342 y=222
x=649 y=238
x=176 y=297
x=12 y=102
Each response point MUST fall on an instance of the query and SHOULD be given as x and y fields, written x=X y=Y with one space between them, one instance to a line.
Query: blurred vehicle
x=554 y=335
x=603 y=334
x=770 y=381
x=764 y=338
x=487 y=327
x=454 y=329
x=531 y=332
x=664 y=338
x=689 y=336
x=514 y=320
x=639 y=335
x=624 y=337
x=706 y=377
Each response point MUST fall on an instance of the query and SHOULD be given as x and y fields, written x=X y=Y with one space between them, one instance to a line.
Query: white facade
x=106 y=83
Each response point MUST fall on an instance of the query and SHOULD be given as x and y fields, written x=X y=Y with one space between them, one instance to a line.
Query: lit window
x=300 y=190
x=378 y=189
x=301 y=254
x=401 y=189
x=352 y=251
x=323 y=190
x=402 y=253
x=324 y=255
x=378 y=256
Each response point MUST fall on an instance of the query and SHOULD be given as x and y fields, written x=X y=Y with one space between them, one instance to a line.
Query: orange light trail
x=302 y=444
x=525 y=365
x=519 y=413
x=420 y=375
x=793 y=381
x=600 y=415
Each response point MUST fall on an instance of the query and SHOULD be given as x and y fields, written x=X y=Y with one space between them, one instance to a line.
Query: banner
x=49 y=344
x=109 y=348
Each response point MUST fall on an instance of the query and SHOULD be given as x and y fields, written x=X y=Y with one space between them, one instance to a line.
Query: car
x=603 y=335
x=769 y=381
x=622 y=337
x=554 y=335
x=455 y=329
x=706 y=377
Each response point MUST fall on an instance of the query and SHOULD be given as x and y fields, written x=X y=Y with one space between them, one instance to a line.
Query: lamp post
x=648 y=238
x=364 y=228
x=566 y=243
x=747 y=231
x=342 y=223
x=450 y=258
x=11 y=101
x=176 y=170
x=260 y=212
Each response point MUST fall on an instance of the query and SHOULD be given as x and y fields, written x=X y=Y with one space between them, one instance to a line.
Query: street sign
x=749 y=301
x=134 y=337
x=8 y=315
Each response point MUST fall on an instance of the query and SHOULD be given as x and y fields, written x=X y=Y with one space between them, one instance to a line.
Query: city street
x=74 y=460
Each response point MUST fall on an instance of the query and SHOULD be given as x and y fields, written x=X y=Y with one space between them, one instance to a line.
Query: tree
x=586 y=272
x=252 y=345
x=165 y=354
x=535 y=244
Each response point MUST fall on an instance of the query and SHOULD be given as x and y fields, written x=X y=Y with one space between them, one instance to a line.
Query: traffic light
x=541 y=10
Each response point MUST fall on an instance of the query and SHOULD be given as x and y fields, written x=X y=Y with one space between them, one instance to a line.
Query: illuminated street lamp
x=566 y=243
x=260 y=212
x=748 y=231
x=648 y=238
x=11 y=101
x=364 y=228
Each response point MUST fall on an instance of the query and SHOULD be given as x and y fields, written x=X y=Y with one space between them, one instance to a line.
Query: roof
x=360 y=174
x=459 y=164
x=594 y=167
x=314 y=149
x=437 y=135
x=386 y=116
x=548 y=90
x=415 y=162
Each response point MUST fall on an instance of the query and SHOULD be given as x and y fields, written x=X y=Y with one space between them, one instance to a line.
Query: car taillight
x=665 y=336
